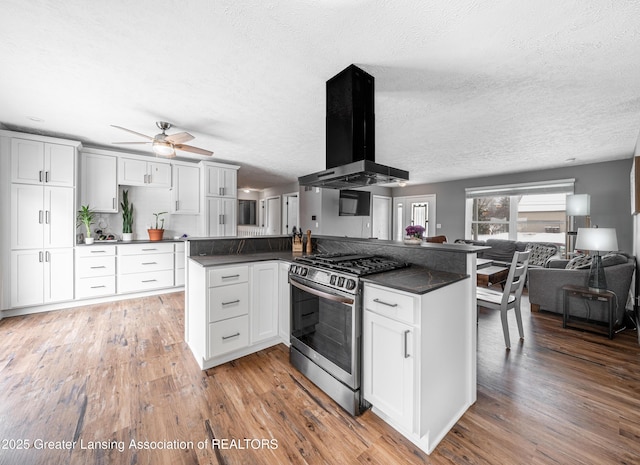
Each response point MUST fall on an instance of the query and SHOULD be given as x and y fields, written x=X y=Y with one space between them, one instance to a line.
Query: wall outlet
x=438 y=226
x=317 y=225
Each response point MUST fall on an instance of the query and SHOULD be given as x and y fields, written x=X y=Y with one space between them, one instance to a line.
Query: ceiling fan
x=165 y=145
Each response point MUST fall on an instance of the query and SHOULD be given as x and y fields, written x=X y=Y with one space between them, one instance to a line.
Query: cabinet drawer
x=228 y=335
x=396 y=305
x=228 y=301
x=96 y=251
x=138 y=249
x=136 y=282
x=143 y=263
x=231 y=275
x=87 y=267
x=95 y=287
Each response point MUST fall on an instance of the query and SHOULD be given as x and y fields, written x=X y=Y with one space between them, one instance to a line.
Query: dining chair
x=510 y=296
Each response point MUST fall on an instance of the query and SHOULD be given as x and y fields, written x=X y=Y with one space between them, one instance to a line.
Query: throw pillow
x=579 y=262
x=540 y=253
x=613 y=258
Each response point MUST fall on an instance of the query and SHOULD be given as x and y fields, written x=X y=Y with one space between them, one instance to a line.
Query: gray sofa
x=545 y=286
x=501 y=251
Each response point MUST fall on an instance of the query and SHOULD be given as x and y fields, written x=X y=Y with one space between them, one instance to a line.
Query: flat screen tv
x=354 y=203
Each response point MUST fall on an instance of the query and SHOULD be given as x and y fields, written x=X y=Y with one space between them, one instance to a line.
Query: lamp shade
x=578 y=204
x=600 y=239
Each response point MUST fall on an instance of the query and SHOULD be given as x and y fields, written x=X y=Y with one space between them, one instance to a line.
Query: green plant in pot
x=127 y=217
x=86 y=217
x=155 y=234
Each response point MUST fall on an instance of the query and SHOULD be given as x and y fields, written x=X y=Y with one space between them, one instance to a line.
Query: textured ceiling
x=463 y=88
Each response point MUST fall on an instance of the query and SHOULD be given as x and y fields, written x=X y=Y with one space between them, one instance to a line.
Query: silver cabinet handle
x=230 y=276
x=219 y=190
x=46 y=176
x=98 y=251
x=150 y=263
x=224 y=338
x=237 y=301
x=406 y=344
x=148 y=250
x=40 y=257
x=176 y=205
x=378 y=301
x=47 y=256
x=97 y=287
x=149 y=280
x=97 y=267
x=40 y=176
x=220 y=219
x=47 y=215
x=40 y=214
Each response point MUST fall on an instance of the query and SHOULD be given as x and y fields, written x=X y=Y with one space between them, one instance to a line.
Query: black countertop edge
x=219 y=260
x=414 y=279
x=446 y=247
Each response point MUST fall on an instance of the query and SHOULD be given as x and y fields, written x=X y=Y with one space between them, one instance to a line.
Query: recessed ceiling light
x=402 y=184
x=246 y=191
x=36 y=119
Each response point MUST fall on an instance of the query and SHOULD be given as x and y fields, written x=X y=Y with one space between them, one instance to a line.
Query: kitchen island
x=418 y=330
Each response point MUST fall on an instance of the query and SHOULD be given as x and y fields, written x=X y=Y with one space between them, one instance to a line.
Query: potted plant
x=127 y=217
x=414 y=234
x=85 y=217
x=155 y=234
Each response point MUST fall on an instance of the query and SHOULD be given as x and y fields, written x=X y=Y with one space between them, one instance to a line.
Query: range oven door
x=325 y=327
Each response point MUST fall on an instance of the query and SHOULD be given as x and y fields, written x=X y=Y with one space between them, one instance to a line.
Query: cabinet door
x=27 y=216
x=229 y=216
x=264 y=294
x=228 y=182
x=388 y=367
x=27 y=161
x=59 y=226
x=27 y=277
x=99 y=182
x=159 y=174
x=186 y=189
x=221 y=217
x=59 y=165
x=58 y=275
x=132 y=172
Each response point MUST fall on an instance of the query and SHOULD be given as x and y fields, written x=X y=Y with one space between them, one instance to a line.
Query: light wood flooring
x=104 y=375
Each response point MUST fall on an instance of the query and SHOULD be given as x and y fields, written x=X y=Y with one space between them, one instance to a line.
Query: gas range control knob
x=303 y=271
x=350 y=285
x=341 y=281
x=294 y=269
x=332 y=280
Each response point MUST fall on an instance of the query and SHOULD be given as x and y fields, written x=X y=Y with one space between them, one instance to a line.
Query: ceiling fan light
x=163 y=149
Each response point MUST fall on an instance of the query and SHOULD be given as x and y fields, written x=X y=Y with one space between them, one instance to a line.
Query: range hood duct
x=350 y=158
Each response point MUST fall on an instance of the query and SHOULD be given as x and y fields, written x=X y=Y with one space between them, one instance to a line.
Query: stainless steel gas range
x=326 y=321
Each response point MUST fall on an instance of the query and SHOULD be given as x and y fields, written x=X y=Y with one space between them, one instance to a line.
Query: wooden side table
x=587 y=294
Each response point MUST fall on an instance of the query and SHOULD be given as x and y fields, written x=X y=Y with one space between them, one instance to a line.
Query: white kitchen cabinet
x=41 y=276
x=389 y=366
x=36 y=162
x=265 y=297
x=137 y=172
x=95 y=271
x=41 y=217
x=186 y=190
x=144 y=267
x=221 y=181
x=99 y=182
x=284 y=317
x=222 y=217
x=418 y=356
x=179 y=257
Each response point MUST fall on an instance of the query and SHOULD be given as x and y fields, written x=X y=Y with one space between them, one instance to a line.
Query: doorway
x=381 y=218
x=273 y=215
x=414 y=210
x=290 y=212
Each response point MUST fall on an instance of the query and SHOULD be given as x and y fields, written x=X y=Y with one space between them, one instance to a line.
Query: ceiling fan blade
x=190 y=148
x=130 y=142
x=132 y=132
x=179 y=138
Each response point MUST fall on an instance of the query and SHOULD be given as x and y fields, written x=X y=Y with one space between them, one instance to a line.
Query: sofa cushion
x=500 y=250
x=614 y=258
x=579 y=262
x=540 y=253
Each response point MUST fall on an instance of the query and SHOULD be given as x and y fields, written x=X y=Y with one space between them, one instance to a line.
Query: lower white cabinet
x=95 y=271
x=233 y=311
x=41 y=276
x=179 y=257
x=418 y=352
x=144 y=267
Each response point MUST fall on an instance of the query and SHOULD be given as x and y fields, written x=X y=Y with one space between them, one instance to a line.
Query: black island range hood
x=351 y=136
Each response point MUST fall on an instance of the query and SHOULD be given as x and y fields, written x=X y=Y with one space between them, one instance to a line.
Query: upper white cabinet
x=135 y=172
x=99 y=183
x=186 y=189
x=221 y=181
x=36 y=162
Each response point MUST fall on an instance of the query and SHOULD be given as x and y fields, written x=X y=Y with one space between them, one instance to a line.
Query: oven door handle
x=324 y=295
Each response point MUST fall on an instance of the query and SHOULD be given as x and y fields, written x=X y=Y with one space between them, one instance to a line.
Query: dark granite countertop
x=414 y=279
x=235 y=259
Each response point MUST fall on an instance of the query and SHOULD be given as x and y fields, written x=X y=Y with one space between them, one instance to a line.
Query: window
x=532 y=212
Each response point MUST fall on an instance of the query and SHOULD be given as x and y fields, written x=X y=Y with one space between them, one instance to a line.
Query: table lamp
x=597 y=240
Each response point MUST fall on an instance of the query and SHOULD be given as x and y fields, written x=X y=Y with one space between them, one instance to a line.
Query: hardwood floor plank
x=111 y=373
